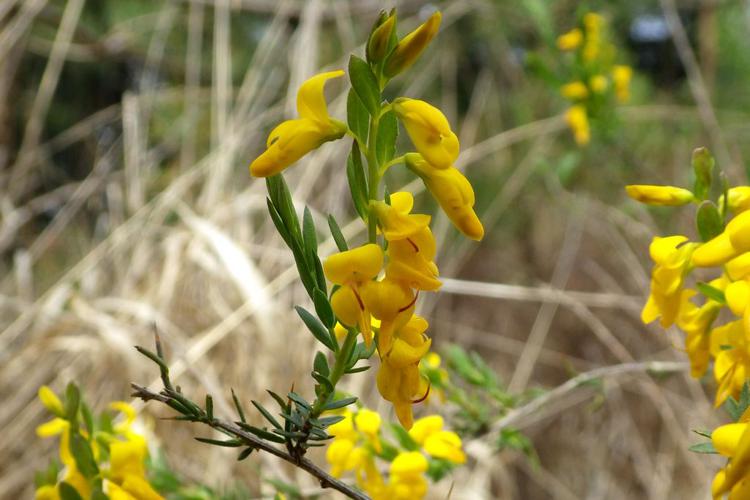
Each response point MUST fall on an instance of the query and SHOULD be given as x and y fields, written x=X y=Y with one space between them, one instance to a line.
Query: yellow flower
x=729 y=347
x=368 y=423
x=671 y=256
x=621 y=75
x=593 y=23
x=670 y=196
x=696 y=323
x=598 y=83
x=293 y=139
x=411 y=245
x=429 y=130
x=739 y=267
x=50 y=401
x=732 y=440
x=574 y=91
x=47 y=492
x=353 y=269
x=452 y=191
x=578 y=121
x=738 y=199
x=411 y=46
x=733 y=241
x=428 y=432
x=570 y=40
x=126 y=458
x=390 y=302
x=407 y=480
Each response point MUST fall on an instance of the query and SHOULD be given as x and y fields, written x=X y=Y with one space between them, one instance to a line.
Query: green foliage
x=365 y=84
x=709 y=221
x=711 y=292
x=736 y=407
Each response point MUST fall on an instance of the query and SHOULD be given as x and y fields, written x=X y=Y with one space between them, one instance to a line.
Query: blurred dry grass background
x=125 y=132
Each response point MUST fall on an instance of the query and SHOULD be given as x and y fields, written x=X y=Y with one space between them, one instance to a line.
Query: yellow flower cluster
x=595 y=79
x=672 y=301
x=380 y=281
x=119 y=453
x=358 y=442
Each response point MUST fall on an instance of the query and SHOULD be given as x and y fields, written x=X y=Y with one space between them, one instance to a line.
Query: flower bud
x=377 y=45
x=574 y=91
x=411 y=46
x=668 y=196
x=570 y=40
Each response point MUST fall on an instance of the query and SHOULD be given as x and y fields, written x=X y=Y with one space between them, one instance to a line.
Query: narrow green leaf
x=245 y=453
x=358 y=369
x=266 y=414
x=365 y=84
x=281 y=401
x=317 y=328
x=152 y=356
x=323 y=380
x=209 y=407
x=709 y=221
x=276 y=218
x=319 y=274
x=299 y=400
x=323 y=308
x=703 y=432
x=262 y=433
x=385 y=146
x=72 y=400
x=707 y=447
x=403 y=438
x=88 y=418
x=339 y=404
x=230 y=443
x=84 y=457
x=357 y=116
x=238 y=405
x=320 y=364
x=67 y=492
x=338 y=236
x=355 y=174
x=712 y=293
x=282 y=200
x=327 y=421
x=309 y=237
x=703 y=165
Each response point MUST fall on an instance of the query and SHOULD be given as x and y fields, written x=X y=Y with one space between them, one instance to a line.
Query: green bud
x=380 y=37
x=411 y=46
x=703 y=165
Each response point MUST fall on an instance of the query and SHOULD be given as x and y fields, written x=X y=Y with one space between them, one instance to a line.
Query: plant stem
x=373 y=177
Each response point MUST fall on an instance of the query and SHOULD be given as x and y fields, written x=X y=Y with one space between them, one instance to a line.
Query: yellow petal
x=429 y=130
x=447 y=445
x=715 y=252
x=578 y=121
x=52 y=428
x=403 y=354
x=739 y=267
x=50 y=400
x=409 y=462
x=659 y=195
x=574 y=91
x=738 y=230
x=411 y=46
x=570 y=40
x=357 y=265
x=737 y=295
x=311 y=103
x=426 y=426
x=139 y=488
x=367 y=421
x=289 y=142
x=727 y=437
x=47 y=492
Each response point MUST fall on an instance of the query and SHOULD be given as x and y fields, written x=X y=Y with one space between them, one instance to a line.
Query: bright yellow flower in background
x=574 y=91
x=670 y=196
x=621 y=75
x=578 y=121
x=428 y=432
x=429 y=130
x=570 y=40
x=732 y=441
x=293 y=139
x=598 y=83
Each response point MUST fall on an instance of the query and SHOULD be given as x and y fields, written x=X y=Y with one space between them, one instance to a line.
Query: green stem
x=373 y=177
x=339 y=365
x=395 y=161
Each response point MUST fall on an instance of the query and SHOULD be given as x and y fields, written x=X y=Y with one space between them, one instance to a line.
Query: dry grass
x=167 y=229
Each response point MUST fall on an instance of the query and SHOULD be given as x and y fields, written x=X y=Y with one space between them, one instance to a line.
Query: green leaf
x=230 y=443
x=707 y=447
x=355 y=174
x=339 y=404
x=72 y=400
x=357 y=116
x=385 y=146
x=317 y=328
x=98 y=494
x=358 y=369
x=67 y=492
x=267 y=414
x=244 y=454
x=327 y=421
x=338 y=236
x=238 y=405
x=712 y=293
x=282 y=200
x=88 y=418
x=209 y=407
x=299 y=400
x=320 y=364
x=365 y=84
x=403 y=438
x=309 y=237
x=703 y=165
x=703 y=432
x=709 y=221
x=279 y=400
x=276 y=218
x=262 y=433
x=84 y=457
x=323 y=308
x=323 y=381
